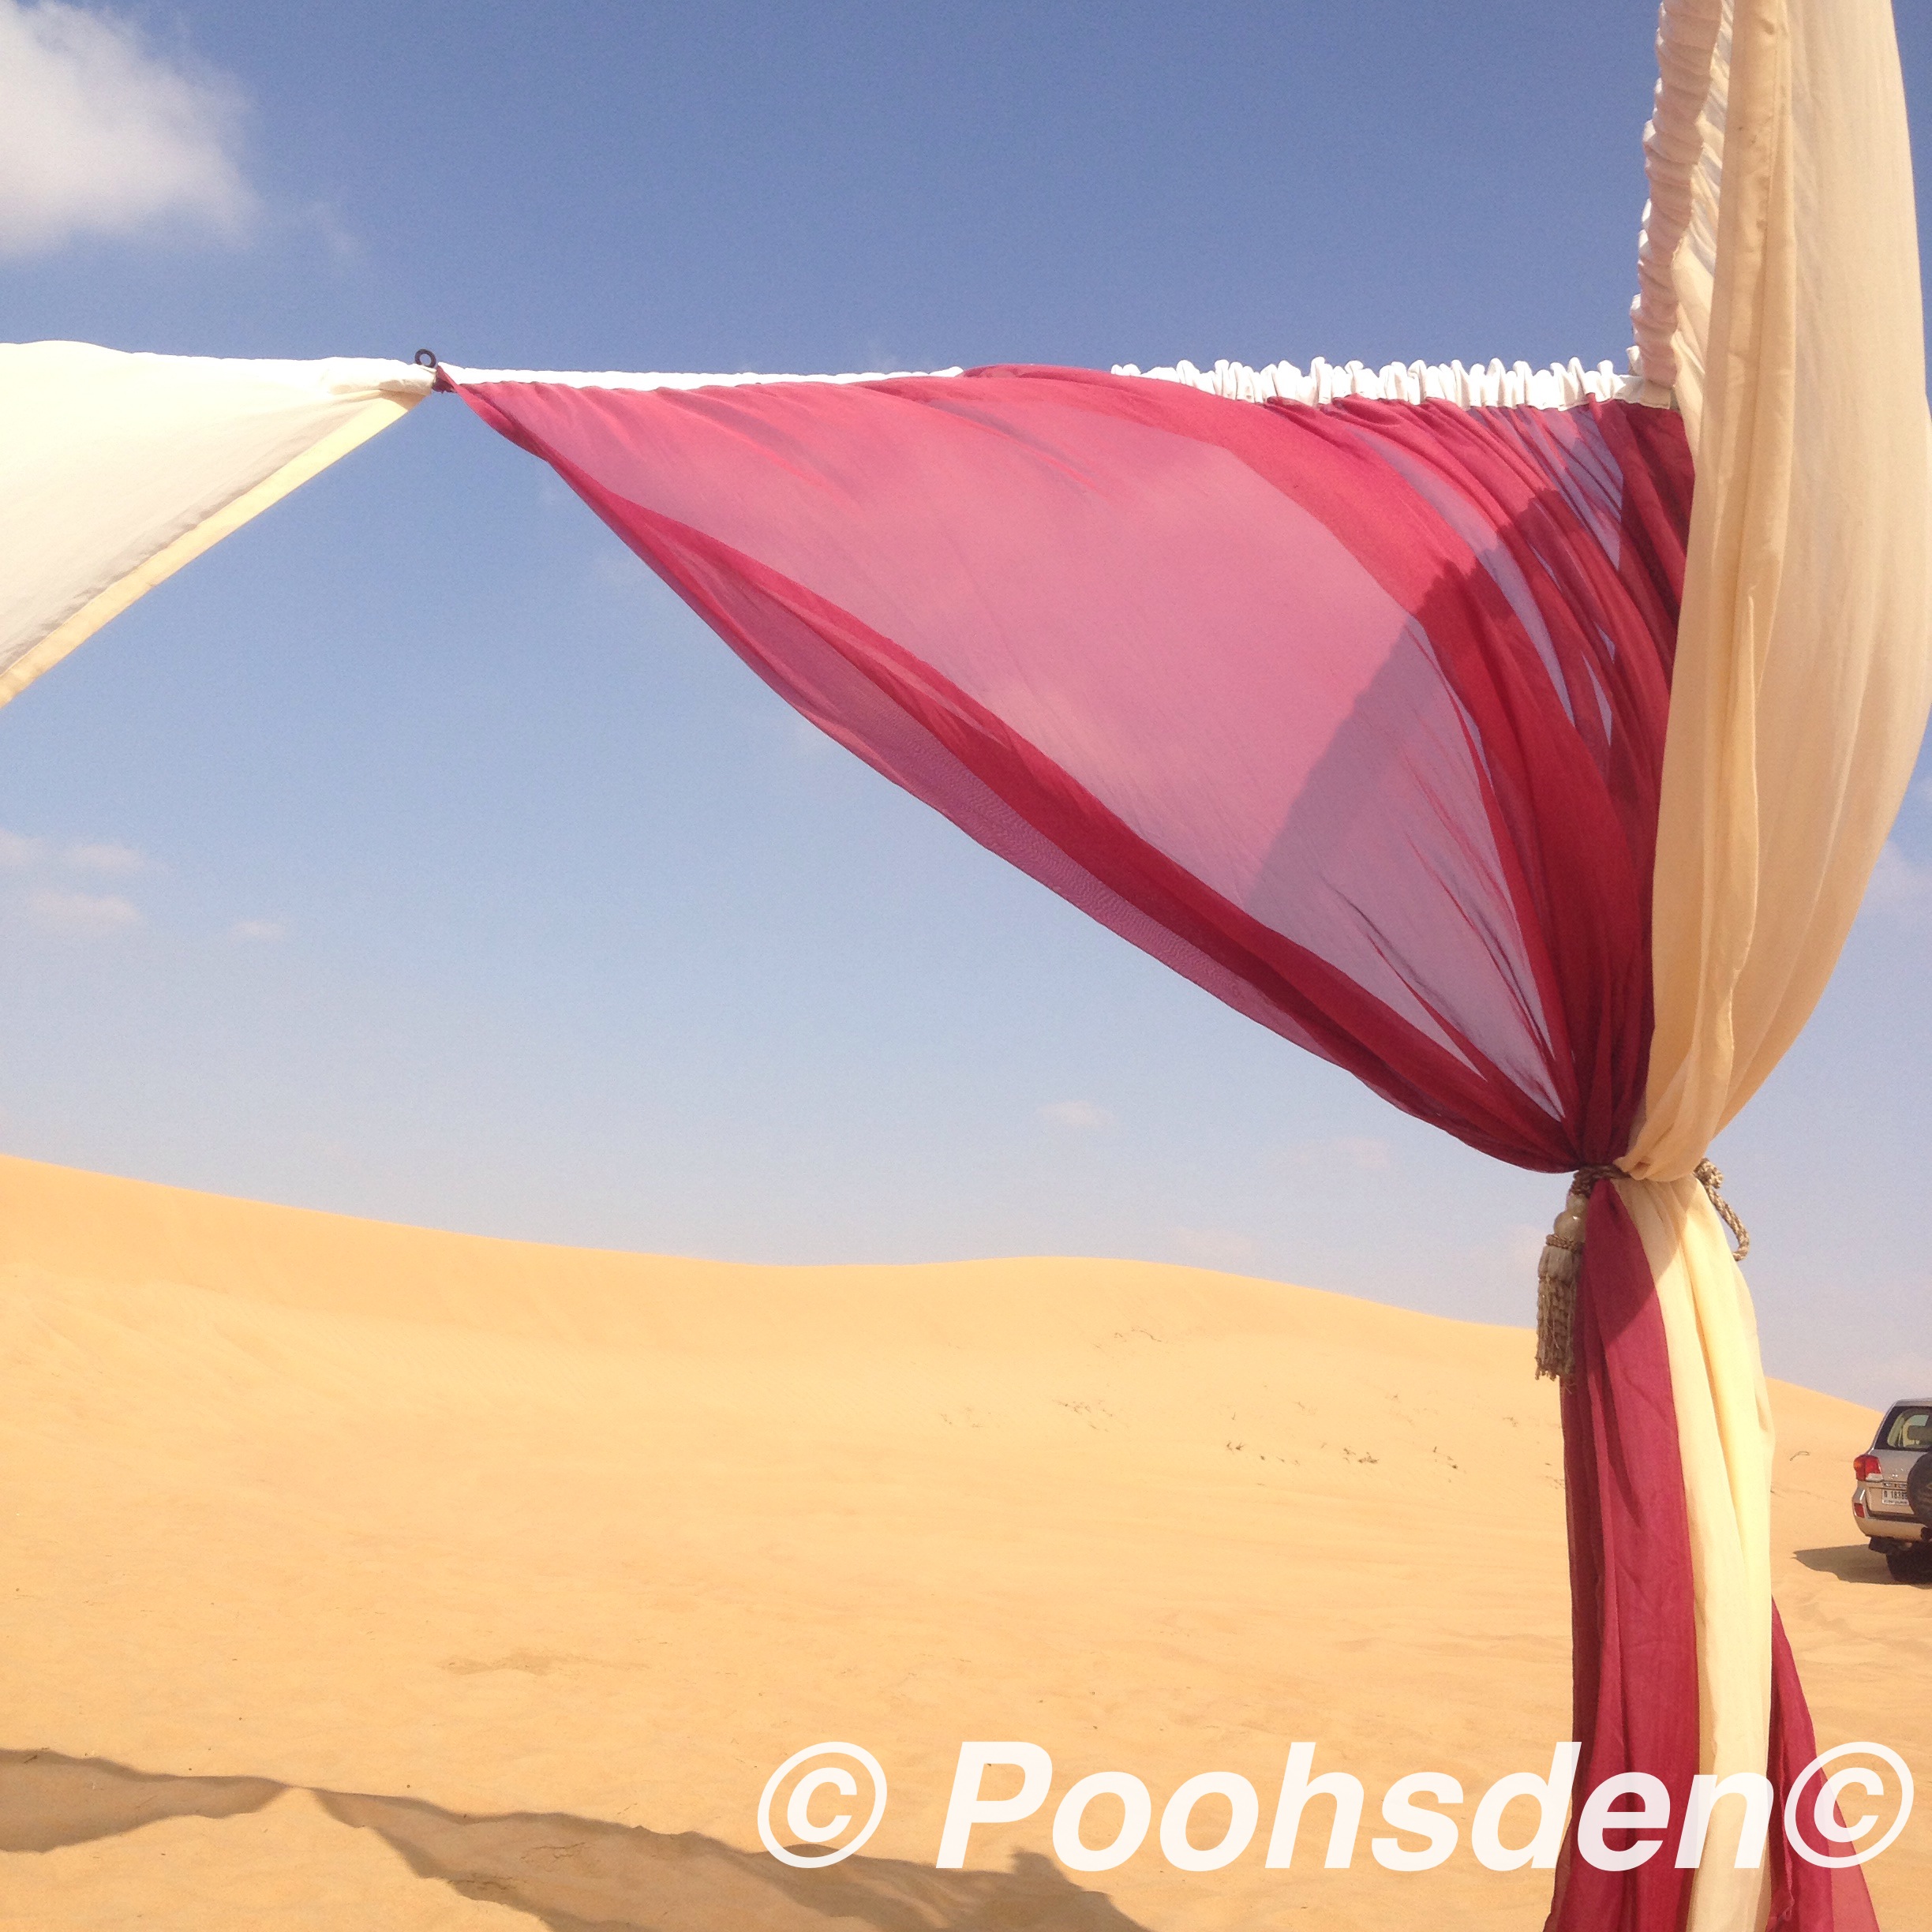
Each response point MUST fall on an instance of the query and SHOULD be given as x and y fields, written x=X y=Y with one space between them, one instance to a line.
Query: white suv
x=1892 y=1503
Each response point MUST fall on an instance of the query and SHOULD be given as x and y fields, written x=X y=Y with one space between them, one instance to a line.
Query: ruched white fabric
x=1683 y=162
x=1482 y=385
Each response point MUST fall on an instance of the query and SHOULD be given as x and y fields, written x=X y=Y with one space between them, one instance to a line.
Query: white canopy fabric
x=116 y=469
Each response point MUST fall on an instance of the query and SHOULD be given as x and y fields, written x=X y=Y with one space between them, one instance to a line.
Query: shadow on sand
x=1851 y=1562
x=574 y=1875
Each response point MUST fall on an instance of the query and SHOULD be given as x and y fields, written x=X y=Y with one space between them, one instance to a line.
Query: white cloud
x=1076 y=1116
x=17 y=852
x=1358 y=1150
x=80 y=915
x=20 y=853
x=258 y=931
x=105 y=856
x=101 y=134
x=341 y=240
x=1216 y=1246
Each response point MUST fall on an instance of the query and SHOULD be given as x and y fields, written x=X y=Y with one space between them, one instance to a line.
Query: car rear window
x=1909 y=1428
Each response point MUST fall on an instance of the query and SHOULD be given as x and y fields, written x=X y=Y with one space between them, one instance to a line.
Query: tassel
x=1557 y=1270
x=1561 y=1262
x=1556 y=1278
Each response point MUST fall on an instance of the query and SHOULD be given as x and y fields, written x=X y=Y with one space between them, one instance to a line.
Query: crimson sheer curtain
x=1353 y=714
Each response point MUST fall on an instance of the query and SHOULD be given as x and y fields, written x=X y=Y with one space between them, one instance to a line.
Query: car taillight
x=1865 y=1467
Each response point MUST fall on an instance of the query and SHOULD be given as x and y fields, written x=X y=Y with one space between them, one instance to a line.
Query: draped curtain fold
x=1423 y=652
x=1354 y=713
x=1799 y=701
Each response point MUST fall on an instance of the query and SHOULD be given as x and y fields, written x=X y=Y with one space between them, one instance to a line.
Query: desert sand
x=355 y=1576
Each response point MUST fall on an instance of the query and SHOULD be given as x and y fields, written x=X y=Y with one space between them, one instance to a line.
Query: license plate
x=1891 y=1499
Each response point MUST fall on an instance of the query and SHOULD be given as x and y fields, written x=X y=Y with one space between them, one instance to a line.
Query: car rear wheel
x=1918 y=1488
x=1913 y=1564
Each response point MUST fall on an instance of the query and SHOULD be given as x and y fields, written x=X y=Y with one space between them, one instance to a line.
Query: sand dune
x=359 y=1575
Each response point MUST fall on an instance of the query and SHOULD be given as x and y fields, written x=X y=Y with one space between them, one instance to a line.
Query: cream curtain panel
x=1789 y=320
x=117 y=469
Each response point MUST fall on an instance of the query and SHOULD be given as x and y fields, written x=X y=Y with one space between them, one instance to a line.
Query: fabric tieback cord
x=1712 y=1183
x=1562 y=1260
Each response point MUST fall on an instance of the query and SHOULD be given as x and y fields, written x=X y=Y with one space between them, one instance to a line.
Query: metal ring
x=425 y=358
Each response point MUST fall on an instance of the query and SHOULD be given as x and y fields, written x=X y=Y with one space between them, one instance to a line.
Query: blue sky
x=414 y=855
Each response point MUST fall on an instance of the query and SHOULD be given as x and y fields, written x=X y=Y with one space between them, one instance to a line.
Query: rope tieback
x=1712 y=1183
x=1562 y=1261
